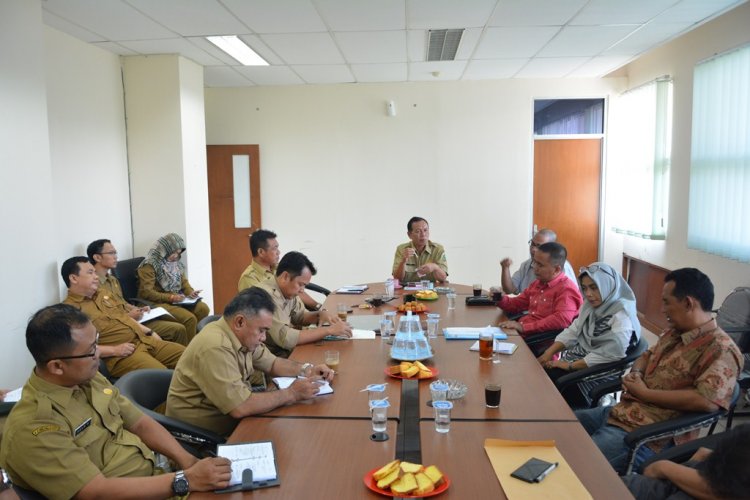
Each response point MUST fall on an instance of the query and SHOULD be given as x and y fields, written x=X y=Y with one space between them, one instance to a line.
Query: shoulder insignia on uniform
x=107 y=391
x=45 y=428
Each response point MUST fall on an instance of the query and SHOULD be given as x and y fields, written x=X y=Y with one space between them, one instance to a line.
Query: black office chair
x=148 y=389
x=317 y=288
x=105 y=371
x=734 y=318
x=126 y=273
x=683 y=452
x=587 y=379
x=667 y=429
x=208 y=319
x=539 y=342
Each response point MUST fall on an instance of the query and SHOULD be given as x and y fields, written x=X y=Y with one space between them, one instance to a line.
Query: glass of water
x=386 y=328
x=442 y=416
x=379 y=409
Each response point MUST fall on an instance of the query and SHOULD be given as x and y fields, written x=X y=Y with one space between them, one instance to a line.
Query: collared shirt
x=287 y=320
x=433 y=252
x=551 y=306
x=253 y=275
x=57 y=439
x=114 y=325
x=110 y=287
x=704 y=359
x=213 y=377
x=525 y=275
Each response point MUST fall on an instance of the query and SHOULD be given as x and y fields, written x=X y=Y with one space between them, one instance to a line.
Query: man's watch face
x=180 y=484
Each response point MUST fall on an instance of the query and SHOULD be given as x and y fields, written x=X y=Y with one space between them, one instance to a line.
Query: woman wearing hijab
x=606 y=326
x=162 y=279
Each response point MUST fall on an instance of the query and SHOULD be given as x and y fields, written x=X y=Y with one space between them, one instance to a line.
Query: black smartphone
x=534 y=470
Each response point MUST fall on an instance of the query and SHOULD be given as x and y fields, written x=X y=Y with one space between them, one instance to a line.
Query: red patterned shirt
x=551 y=306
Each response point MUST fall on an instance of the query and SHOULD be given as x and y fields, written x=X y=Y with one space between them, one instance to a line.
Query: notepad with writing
x=257 y=457
x=284 y=382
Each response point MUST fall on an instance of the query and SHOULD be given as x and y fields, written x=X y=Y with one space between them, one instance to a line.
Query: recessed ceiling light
x=238 y=49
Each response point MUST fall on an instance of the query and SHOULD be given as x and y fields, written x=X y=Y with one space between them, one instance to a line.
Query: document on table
x=153 y=314
x=501 y=347
x=352 y=289
x=258 y=457
x=284 y=382
x=466 y=333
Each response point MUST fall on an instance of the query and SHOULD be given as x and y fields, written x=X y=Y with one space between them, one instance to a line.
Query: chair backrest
x=208 y=319
x=126 y=273
x=734 y=316
x=634 y=352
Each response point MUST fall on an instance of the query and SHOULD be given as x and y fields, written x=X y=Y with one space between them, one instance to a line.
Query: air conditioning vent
x=442 y=45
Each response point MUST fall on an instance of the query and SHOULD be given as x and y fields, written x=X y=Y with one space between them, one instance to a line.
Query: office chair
x=734 y=318
x=587 y=379
x=668 y=429
x=317 y=288
x=539 y=342
x=208 y=319
x=148 y=389
x=105 y=371
x=126 y=273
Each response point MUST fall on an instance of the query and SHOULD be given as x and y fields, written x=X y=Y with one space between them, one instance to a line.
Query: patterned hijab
x=616 y=296
x=168 y=274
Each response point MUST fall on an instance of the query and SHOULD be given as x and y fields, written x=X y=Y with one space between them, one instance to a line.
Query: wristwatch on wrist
x=303 y=369
x=180 y=486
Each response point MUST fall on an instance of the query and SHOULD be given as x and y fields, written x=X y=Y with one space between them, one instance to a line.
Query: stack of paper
x=501 y=347
x=466 y=333
x=284 y=382
x=352 y=289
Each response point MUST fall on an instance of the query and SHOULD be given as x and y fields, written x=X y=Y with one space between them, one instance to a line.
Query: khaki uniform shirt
x=253 y=275
x=433 y=252
x=150 y=289
x=213 y=377
x=114 y=325
x=289 y=314
x=704 y=359
x=110 y=287
x=59 y=438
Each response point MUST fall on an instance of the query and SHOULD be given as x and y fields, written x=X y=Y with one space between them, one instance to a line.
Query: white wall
x=340 y=179
x=678 y=59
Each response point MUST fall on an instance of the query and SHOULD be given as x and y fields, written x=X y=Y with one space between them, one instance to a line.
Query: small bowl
x=456 y=388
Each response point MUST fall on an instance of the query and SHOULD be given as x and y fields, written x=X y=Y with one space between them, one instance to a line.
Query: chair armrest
x=318 y=288
x=140 y=302
x=682 y=453
x=673 y=427
x=604 y=389
x=593 y=372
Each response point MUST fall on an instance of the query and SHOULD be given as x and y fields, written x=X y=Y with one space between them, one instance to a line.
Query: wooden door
x=230 y=251
x=567 y=183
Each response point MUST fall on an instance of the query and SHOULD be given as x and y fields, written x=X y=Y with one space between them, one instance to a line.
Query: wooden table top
x=472 y=475
x=316 y=458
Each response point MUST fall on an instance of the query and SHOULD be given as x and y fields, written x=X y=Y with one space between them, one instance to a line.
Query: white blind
x=719 y=214
x=641 y=144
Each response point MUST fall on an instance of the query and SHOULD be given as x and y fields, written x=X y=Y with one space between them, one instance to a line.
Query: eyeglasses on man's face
x=81 y=356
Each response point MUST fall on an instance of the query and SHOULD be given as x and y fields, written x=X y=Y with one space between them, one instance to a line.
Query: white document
x=501 y=347
x=257 y=457
x=13 y=396
x=355 y=289
x=284 y=382
x=362 y=334
x=153 y=314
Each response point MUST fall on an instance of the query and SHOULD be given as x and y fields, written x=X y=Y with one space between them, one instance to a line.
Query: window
x=641 y=159
x=568 y=116
x=719 y=213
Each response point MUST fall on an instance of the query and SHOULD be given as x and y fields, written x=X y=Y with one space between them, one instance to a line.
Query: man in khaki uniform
x=211 y=384
x=103 y=255
x=72 y=433
x=131 y=345
x=420 y=258
x=293 y=273
x=265 y=250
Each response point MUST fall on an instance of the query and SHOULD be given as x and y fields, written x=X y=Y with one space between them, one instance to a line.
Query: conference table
x=323 y=446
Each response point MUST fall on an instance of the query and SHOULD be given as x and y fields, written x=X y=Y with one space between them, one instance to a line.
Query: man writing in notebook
x=293 y=273
x=264 y=248
x=419 y=258
x=73 y=433
x=211 y=385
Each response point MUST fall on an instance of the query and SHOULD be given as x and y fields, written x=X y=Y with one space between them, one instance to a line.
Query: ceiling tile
x=598 y=12
x=446 y=14
x=647 y=37
x=416 y=45
x=172 y=46
x=535 y=12
x=304 y=48
x=70 y=28
x=270 y=75
x=446 y=70
x=543 y=67
x=115 y=22
x=598 y=66
x=276 y=16
x=493 y=69
x=328 y=73
x=694 y=11
x=468 y=45
x=115 y=48
x=191 y=17
x=502 y=43
x=363 y=15
x=380 y=72
x=372 y=46
x=585 y=40
x=223 y=76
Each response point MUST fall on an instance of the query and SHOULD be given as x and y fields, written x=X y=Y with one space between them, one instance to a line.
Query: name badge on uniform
x=82 y=427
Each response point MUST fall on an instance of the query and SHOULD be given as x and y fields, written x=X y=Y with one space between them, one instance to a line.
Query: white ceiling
x=343 y=41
